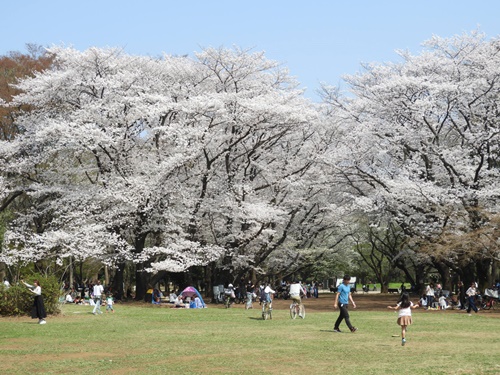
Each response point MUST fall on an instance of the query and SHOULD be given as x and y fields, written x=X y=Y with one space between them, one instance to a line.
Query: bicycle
x=297 y=309
x=490 y=299
x=488 y=303
x=267 y=310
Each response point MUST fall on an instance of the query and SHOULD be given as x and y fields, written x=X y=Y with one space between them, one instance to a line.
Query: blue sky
x=319 y=41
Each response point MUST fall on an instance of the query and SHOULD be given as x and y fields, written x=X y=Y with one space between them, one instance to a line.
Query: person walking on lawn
x=98 y=290
x=471 y=295
x=344 y=296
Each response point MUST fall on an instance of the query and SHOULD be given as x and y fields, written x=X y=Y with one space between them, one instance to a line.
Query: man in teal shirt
x=344 y=296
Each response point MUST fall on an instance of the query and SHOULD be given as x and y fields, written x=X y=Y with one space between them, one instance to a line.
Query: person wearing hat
x=229 y=295
x=343 y=296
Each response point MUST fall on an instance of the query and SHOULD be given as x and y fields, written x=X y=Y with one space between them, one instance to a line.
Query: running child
x=404 y=314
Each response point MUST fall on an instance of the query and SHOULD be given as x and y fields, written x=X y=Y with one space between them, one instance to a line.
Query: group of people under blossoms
x=465 y=299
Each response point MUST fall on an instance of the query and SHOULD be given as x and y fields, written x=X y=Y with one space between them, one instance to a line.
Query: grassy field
x=144 y=339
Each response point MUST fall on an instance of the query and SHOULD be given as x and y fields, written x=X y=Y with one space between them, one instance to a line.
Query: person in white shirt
x=172 y=297
x=429 y=292
x=38 y=310
x=6 y=283
x=179 y=302
x=198 y=303
x=423 y=301
x=98 y=290
x=267 y=294
x=69 y=299
x=443 y=304
x=404 y=314
x=471 y=295
x=295 y=291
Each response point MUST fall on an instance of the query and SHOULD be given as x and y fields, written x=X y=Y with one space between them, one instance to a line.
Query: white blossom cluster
x=176 y=162
x=169 y=162
x=421 y=140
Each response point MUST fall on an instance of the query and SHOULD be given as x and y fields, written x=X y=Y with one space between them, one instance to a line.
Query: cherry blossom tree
x=277 y=198
x=169 y=163
x=422 y=140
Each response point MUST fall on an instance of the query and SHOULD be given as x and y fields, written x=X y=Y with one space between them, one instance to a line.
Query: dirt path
x=370 y=301
x=364 y=301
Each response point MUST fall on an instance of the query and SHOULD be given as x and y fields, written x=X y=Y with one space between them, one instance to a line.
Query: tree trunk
x=106 y=275
x=384 y=283
x=444 y=273
x=140 y=276
x=408 y=275
x=420 y=278
x=117 y=284
x=3 y=271
x=468 y=275
x=71 y=273
x=211 y=275
x=140 y=283
x=208 y=281
x=483 y=276
x=495 y=274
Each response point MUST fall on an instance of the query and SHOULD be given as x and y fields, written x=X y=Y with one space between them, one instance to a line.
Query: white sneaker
x=42 y=322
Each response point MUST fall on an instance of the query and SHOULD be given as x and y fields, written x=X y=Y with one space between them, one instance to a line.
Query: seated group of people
x=441 y=303
x=79 y=300
x=86 y=301
x=177 y=301
x=185 y=302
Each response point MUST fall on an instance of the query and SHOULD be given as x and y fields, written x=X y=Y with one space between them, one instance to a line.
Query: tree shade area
x=216 y=169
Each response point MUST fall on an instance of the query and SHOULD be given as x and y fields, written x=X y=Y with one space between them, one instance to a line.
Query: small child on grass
x=109 y=303
x=404 y=314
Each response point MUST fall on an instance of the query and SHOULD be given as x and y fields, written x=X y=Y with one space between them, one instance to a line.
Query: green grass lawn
x=143 y=339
